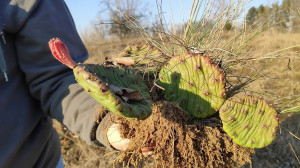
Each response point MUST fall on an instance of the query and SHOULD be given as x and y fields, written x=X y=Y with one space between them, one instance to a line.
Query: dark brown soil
x=181 y=141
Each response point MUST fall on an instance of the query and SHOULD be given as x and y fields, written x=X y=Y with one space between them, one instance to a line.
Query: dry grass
x=280 y=82
x=281 y=79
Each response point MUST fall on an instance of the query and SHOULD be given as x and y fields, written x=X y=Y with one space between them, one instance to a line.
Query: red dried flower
x=61 y=52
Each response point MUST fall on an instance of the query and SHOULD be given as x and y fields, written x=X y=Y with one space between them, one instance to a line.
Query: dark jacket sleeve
x=49 y=81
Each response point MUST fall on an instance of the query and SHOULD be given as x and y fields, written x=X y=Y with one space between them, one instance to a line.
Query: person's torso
x=27 y=137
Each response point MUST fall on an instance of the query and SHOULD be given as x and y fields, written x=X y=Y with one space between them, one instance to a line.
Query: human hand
x=119 y=143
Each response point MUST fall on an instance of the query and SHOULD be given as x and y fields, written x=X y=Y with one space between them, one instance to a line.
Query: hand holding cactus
x=121 y=91
x=191 y=81
x=111 y=91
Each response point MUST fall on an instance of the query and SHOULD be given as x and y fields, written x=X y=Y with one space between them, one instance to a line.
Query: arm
x=49 y=81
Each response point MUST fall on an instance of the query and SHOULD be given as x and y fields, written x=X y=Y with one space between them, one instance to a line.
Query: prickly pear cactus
x=120 y=91
x=195 y=83
x=141 y=56
x=249 y=121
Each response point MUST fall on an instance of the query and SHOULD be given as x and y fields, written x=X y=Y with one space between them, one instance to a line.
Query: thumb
x=115 y=139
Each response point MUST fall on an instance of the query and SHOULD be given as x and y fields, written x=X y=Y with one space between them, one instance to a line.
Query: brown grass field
x=281 y=81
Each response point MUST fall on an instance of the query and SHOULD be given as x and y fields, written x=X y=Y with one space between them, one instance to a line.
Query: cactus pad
x=141 y=56
x=120 y=91
x=250 y=121
x=195 y=83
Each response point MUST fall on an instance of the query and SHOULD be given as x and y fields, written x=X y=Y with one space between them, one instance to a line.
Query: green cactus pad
x=142 y=56
x=120 y=91
x=249 y=121
x=140 y=50
x=195 y=83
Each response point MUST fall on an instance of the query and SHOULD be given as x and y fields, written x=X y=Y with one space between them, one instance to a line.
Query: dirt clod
x=181 y=141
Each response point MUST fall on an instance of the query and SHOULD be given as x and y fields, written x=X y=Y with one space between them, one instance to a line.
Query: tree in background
x=96 y=32
x=284 y=17
x=290 y=8
x=228 y=26
x=251 y=16
x=296 y=14
x=263 y=12
x=122 y=14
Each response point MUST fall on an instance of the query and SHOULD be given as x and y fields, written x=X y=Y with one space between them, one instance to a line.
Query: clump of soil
x=181 y=141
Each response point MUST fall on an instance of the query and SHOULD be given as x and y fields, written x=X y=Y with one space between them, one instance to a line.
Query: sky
x=84 y=12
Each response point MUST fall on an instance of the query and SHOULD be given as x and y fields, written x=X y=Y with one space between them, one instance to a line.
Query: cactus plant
x=250 y=121
x=141 y=56
x=119 y=90
x=195 y=83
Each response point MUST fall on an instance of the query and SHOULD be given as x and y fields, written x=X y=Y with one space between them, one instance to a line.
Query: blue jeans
x=60 y=163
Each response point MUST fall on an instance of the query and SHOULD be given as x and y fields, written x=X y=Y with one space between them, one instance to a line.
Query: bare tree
x=122 y=15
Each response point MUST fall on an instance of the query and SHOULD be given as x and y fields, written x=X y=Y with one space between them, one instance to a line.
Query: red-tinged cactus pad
x=195 y=83
x=120 y=91
x=249 y=121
